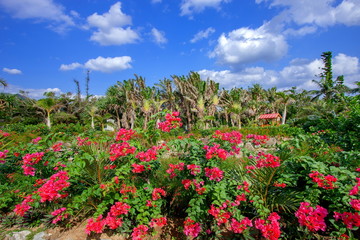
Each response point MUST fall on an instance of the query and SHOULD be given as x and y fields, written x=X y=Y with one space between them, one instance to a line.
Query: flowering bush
x=213 y=186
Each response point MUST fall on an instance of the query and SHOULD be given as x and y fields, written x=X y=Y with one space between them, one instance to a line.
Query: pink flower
x=50 y=191
x=173 y=167
x=215 y=151
x=137 y=168
x=191 y=228
x=139 y=232
x=160 y=222
x=120 y=149
x=312 y=219
x=239 y=227
x=119 y=208
x=355 y=203
x=349 y=219
x=214 y=173
x=172 y=121
x=36 y=140
x=96 y=226
x=282 y=185
x=113 y=222
x=157 y=193
x=194 y=169
x=270 y=229
x=124 y=135
x=325 y=182
x=3 y=156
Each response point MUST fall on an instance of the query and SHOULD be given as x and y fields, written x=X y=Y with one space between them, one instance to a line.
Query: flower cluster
x=149 y=155
x=198 y=185
x=3 y=156
x=51 y=189
x=83 y=142
x=138 y=168
x=214 y=174
x=157 y=193
x=239 y=227
x=355 y=204
x=173 y=167
x=35 y=140
x=160 y=222
x=112 y=220
x=270 y=229
x=22 y=208
x=29 y=160
x=120 y=149
x=4 y=134
x=221 y=216
x=194 y=169
x=124 y=135
x=139 y=232
x=258 y=139
x=234 y=137
x=191 y=228
x=325 y=182
x=59 y=214
x=172 y=121
x=355 y=189
x=281 y=185
x=265 y=160
x=312 y=219
x=215 y=151
x=57 y=147
x=350 y=219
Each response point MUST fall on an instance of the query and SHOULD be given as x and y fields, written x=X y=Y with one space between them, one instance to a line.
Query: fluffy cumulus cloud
x=188 y=7
x=246 y=45
x=101 y=64
x=12 y=71
x=299 y=73
x=108 y=65
x=158 y=36
x=321 y=13
x=45 y=10
x=203 y=34
x=111 y=28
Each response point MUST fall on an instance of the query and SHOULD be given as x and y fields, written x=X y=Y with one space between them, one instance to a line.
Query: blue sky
x=45 y=44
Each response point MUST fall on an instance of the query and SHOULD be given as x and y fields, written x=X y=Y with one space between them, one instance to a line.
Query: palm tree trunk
x=48 y=121
x=284 y=115
x=92 y=122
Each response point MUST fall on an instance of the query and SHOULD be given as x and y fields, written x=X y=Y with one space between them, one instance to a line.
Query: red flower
x=312 y=219
x=96 y=226
x=270 y=229
x=172 y=121
x=191 y=228
x=239 y=227
x=120 y=149
x=124 y=135
x=119 y=208
x=160 y=222
x=325 y=182
x=139 y=232
x=214 y=173
x=137 y=168
x=157 y=193
x=349 y=219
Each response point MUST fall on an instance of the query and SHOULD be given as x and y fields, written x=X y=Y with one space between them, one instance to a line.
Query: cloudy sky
x=46 y=44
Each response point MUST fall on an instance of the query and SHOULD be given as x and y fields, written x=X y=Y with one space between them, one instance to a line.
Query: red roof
x=270 y=116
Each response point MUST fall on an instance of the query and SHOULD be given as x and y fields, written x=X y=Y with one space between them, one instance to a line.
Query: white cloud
x=321 y=13
x=188 y=7
x=38 y=9
x=31 y=92
x=12 y=71
x=108 y=65
x=110 y=27
x=202 y=34
x=72 y=66
x=246 y=45
x=299 y=72
x=158 y=36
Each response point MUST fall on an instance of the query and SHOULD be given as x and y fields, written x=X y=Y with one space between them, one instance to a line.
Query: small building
x=270 y=119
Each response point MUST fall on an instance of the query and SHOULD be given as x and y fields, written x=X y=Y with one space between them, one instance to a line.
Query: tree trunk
x=284 y=115
x=48 y=121
x=92 y=122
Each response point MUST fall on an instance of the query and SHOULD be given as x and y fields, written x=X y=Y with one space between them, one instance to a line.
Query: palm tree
x=3 y=83
x=285 y=99
x=48 y=105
